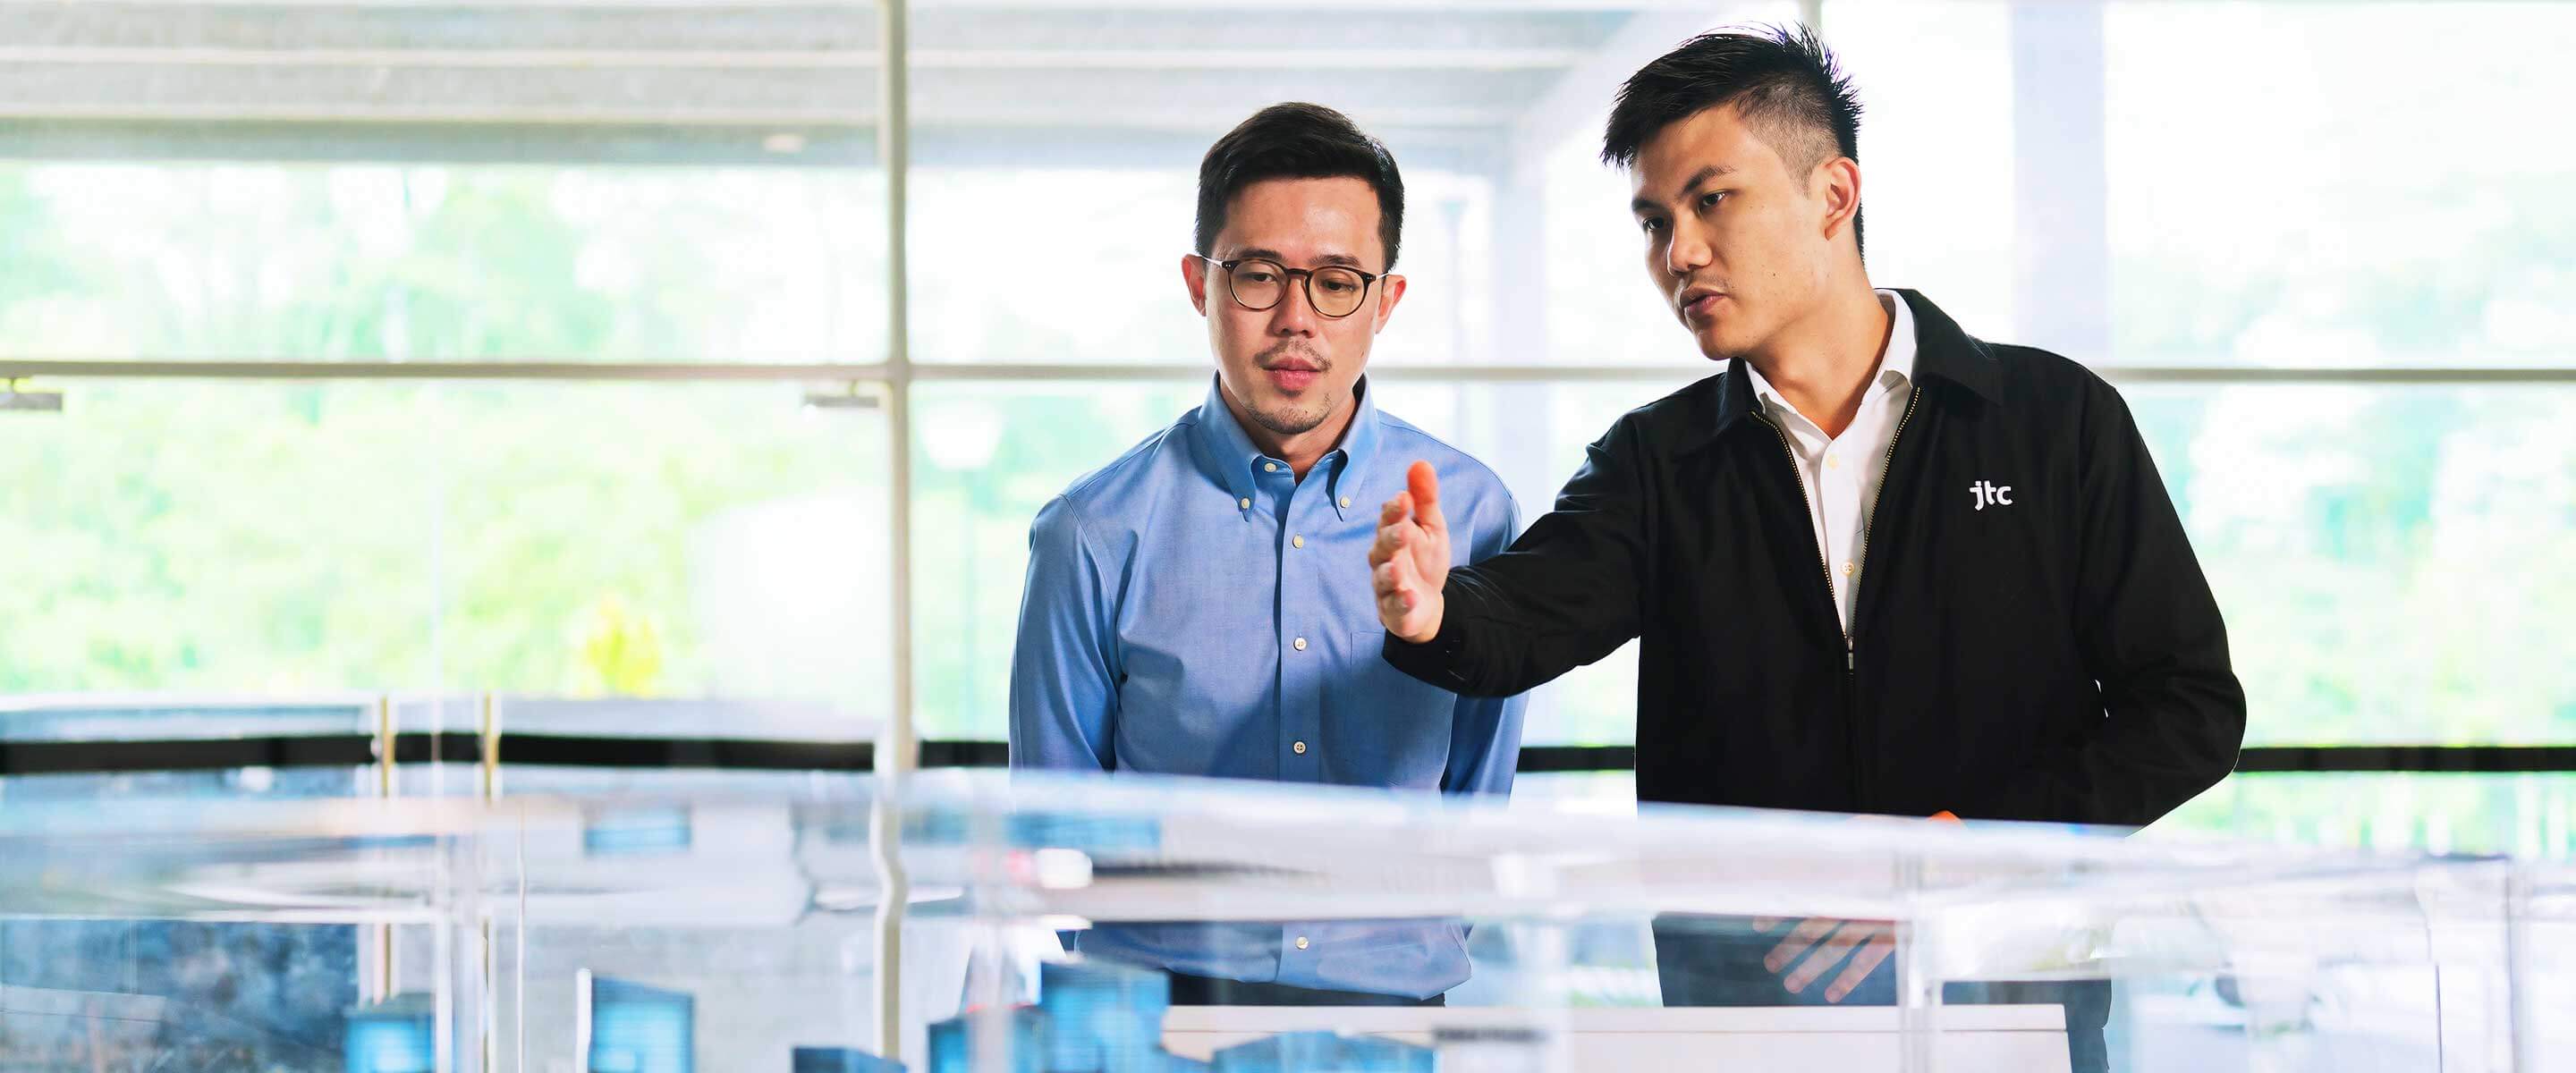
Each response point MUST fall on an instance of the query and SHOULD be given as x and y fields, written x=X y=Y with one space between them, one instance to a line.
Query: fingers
x=1396 y=509
x=1410 y=557
x=1390 y=540
x=1806 y=934
x=1398 y=585
x=1875 y=952
x=1392 y=606
x=1768 y=924
x=1392 y=519
x=1866 y=945
x=1828 y=954
x=1424 y=486
x=1400 y=599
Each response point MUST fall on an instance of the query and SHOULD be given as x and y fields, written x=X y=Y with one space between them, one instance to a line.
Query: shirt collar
x=1356 y=454
x=1895 y=366
x=1229 y=452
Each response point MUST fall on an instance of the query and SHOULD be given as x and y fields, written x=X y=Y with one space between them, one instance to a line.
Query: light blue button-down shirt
x=1194 y=609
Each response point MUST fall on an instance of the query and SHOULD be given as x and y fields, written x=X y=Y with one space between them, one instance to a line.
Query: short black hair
x=1786 y=84
x=1298 y=141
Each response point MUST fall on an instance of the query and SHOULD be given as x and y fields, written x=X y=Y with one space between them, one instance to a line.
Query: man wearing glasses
x=1190 y=608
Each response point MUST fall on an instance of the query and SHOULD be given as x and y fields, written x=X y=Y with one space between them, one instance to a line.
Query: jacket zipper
x=1851 y=703
x=1851 y=648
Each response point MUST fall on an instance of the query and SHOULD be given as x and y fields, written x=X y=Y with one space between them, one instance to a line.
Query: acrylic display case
x=847 y=927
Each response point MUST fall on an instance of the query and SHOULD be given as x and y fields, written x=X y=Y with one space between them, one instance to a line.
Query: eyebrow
x=1325 y=260
x=1697 y=179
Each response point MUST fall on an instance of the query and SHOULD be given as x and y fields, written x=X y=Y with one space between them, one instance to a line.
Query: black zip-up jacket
x=2032 y=638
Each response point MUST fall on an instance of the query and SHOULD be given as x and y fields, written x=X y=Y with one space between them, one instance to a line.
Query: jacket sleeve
x=1064 y=668
x=2149 y=631
x=1485 y=732
x=1566 y=593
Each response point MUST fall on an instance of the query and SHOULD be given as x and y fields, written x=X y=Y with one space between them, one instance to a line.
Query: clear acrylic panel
x=525 y=932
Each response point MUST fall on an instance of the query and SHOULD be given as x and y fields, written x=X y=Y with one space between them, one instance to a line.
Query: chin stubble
x=1290 y=421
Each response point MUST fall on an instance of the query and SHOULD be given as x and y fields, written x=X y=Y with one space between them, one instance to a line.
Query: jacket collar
x=1942 y=351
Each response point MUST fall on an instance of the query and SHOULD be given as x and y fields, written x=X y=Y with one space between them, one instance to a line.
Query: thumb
x=1425 y=486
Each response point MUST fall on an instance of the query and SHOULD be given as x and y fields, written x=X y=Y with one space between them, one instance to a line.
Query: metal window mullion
x=894 y=760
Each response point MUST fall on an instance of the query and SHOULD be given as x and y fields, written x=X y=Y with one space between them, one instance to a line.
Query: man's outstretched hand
x=1410 y=560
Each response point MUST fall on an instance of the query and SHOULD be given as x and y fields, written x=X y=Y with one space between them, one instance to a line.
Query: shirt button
x=1346 y=501
x=1270 y=467
x=1833 y=462
x=1850 y=568
x=1300 y=747
x=1243 y=503
x=1297 y=541
x=1301 y=644
x=1301 y=942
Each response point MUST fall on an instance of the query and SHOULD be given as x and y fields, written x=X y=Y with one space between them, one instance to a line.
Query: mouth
x=1698 y=304
x=1293 y=376
x=1292 y=381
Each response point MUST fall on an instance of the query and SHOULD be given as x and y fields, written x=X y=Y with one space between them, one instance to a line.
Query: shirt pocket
x=1384 y=727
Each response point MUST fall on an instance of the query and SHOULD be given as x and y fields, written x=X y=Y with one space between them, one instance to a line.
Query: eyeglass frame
x=1367 y=280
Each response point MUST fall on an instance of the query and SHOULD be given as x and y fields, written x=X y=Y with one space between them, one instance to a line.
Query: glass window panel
x=1936 y=150
x=646 y=541
x=2532 y=816
x=989 y=456
x=2279 y=196
x=593 y=182
x=261 y=540
x=1601 y=304
x=2393 y=561
x=431 y=262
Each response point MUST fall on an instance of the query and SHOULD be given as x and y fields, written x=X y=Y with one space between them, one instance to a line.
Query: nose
x=1295 y=315
x=1688 y=251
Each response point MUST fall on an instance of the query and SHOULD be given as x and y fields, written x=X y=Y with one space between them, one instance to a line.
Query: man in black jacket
x=1876 y=565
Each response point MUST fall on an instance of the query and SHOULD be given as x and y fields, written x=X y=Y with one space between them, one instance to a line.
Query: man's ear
x=1390 y=290
x=1194 y=275
x=1838 y=182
